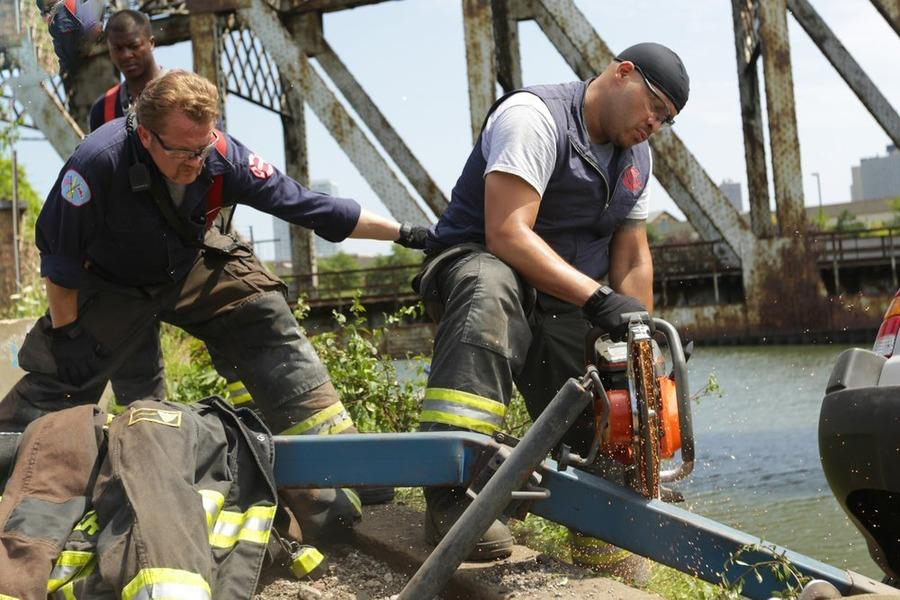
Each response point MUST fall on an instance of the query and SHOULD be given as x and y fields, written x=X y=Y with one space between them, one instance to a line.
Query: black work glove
x=412 y=236
x=76 y=353
x=605 y=308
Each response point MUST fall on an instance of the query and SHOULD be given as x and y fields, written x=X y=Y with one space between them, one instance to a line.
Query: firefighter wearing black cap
x=552 y=200
x=124 y=244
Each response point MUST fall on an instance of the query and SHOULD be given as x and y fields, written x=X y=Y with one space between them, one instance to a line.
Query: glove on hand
x=76 y=353
x=604 y=309
x=412 y=236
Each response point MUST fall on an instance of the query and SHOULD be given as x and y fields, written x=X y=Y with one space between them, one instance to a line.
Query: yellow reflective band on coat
x=254 y=525
x=238 y=394
x=88 y=523
x=5 y=597
x=591 y=551
x=462 y=409
x=353 y=497
x=114 y=408
x=333 y=419
x=305 y=561
x=212 y=506
x=69 y=566
x=168 y=584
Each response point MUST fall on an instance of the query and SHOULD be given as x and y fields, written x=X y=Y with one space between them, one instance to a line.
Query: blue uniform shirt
x=72 y=26
x=93 y=219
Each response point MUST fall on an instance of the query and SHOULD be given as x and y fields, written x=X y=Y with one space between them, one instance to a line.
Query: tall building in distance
x=732 y=191
x=281 y=230
x=877 y=177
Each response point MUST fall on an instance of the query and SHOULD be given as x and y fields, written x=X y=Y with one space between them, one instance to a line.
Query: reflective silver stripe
x=67 y=566
x=462 y=411
x=253 y=525
x=212 y=505
x=168 y=584
x=171 y=591
x=333 y=419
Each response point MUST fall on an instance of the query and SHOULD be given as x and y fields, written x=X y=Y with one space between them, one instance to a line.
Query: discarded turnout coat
x=173 y=501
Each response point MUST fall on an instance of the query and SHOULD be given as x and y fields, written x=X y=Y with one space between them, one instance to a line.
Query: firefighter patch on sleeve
x=260 y=168
x=75 y=189
x=171 y=418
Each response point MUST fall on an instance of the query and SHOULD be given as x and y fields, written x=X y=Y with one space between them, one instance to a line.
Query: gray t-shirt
x=520 y=138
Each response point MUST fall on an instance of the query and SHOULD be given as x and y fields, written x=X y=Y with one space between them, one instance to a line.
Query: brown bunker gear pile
x=173 y=501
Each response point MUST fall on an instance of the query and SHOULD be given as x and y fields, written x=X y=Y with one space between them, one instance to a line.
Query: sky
x=410 y=58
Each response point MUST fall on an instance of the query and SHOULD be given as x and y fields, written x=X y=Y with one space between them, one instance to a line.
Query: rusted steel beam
x=296 y=165
x=45 y=110
x=378 y=124
x=785 y=145
x=478 y=23
x=293 y=64
x=676 y=168
x=746 y=40
x=302 y=6
x=506 y=35
x=847 y=67
x=171 y=30
x=890 y=10
x=206 y=47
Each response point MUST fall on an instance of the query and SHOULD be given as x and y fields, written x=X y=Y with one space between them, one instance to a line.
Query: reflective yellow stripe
x=354 y=499
x=254 y=525
x=212 y=506
x=68 y=566
x=238 y=394
x=169 y=584
x=466 y=399
x=433 y=416
x=588 y=550
x=5 y=597
x=304 y=561
x=333 y=419
x=462 y=409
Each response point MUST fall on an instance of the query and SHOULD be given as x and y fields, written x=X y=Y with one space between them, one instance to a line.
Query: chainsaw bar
x=647 y=438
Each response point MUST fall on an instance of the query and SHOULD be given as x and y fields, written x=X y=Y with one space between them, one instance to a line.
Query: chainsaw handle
x=685 y=420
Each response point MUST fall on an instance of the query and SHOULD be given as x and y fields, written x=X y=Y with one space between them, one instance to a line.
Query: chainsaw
x=642 y=414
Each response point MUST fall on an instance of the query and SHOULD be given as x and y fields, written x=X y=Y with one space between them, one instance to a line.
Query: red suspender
x=70 y=4
x=109 y=102
x=214 y=195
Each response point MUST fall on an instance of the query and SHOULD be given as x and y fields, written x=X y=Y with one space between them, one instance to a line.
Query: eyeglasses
x=184 y=154
x=660 y=109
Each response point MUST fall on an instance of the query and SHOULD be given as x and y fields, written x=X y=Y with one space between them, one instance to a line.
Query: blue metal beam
x=584 y=502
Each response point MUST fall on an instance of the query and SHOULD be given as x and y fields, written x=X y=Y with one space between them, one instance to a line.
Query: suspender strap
x=70 y=4
x=109 y=103
x=214 y=195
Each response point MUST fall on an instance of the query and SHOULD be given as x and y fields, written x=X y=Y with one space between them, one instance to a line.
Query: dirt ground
x=393 y=534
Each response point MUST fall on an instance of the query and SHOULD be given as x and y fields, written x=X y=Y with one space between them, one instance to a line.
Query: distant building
x=281 y=230
x=732 y=191
x=871 y=213
x=876 y=177
x=669 y=228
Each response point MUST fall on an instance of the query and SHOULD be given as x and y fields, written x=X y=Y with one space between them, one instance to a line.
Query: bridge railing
x=375 y=284
x=671 y=261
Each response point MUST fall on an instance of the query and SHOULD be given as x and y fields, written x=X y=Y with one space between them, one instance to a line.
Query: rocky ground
x=393 y=534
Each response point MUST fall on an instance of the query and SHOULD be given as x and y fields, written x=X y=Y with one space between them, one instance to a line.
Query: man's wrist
x=597 y=298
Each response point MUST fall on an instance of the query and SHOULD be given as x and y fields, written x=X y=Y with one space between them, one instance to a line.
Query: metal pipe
x=556 y=419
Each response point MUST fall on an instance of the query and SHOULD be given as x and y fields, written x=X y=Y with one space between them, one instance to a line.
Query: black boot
x=444 y=506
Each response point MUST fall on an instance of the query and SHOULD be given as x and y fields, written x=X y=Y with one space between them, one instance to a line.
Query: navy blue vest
x=578 y=213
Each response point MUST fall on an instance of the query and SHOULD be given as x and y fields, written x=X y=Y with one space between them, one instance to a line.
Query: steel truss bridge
x=260 y=50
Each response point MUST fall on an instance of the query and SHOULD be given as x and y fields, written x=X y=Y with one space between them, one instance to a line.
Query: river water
x=757 y=461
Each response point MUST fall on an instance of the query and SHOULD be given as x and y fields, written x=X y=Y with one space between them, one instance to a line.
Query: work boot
x=375 y=495
x=324 y=512
x=605 y=559
x=444 y=506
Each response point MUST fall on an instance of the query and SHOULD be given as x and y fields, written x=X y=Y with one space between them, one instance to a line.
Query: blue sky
x=410 y=58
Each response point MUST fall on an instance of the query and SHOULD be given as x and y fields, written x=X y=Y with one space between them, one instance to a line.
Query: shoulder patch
x=631 y=179
x=172 y=418
x=260 y=168
x=75 y=189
